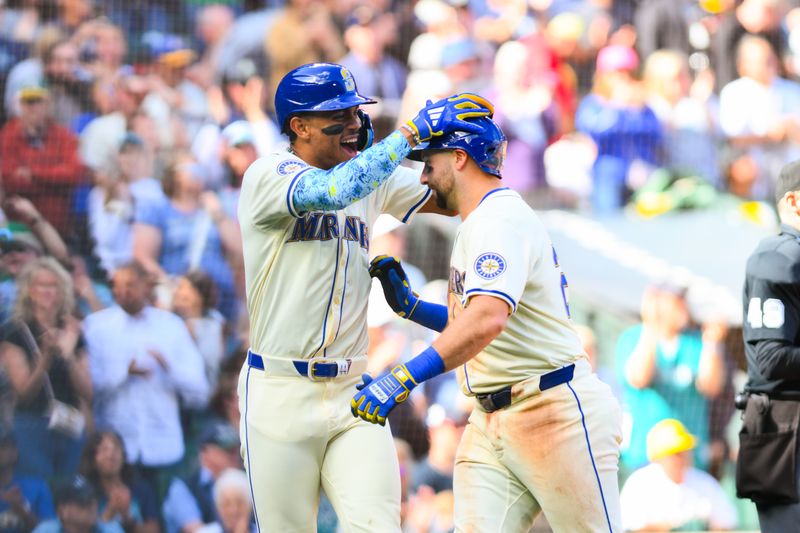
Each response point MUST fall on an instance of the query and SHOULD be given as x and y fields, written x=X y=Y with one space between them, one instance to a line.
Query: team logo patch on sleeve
x=290 y=166
x=490 y=265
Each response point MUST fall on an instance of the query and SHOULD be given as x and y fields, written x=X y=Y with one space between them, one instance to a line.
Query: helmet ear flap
x=366 y=135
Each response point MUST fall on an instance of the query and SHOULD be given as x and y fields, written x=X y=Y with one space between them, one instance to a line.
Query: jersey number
x=771 y=315
x=564 y=284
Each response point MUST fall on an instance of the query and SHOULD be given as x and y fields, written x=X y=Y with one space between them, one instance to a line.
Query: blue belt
x=319 y=369
x=498 y=400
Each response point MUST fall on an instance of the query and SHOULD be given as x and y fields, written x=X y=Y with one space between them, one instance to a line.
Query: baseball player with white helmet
x=545 y=432
x=305 y=216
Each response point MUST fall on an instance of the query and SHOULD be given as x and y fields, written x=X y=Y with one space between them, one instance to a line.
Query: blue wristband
x=432 y=316
x=426 y=365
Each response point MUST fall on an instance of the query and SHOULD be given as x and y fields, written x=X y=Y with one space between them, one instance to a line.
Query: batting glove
x=375 y=399
x=395 y=285
x=450 y=114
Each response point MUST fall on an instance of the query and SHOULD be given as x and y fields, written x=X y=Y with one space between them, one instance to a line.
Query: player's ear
x=299 y=126
x=460 y=159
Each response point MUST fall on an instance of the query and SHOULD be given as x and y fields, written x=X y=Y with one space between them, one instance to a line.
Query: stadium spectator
x=668 y=371
x=194 y=300
x=40 y=160
x=113 y=201
x=436 y=469
x=190 y=502
x=188 y=230
x=379 y=75
x=144 y=366
x=526 y=110
x=44 y=355
x=690 y=124
x=626 y=131
x=123 y=497
x=76 y=509
x=213 y=23
x=303 y=32
x=759 y=112
x=669 y=494
x=24 y=500
x=29 y=72
x=233 y=504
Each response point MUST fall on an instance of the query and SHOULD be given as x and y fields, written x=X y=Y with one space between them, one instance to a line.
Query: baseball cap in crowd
x=169 y=49
x=616 y=57
x=32 y=93
x=240 y=71
x=130 y=140
x=220 y=434
x=788 y=180
x=668 y=437
x=458 y=51
x=238 y=133
x=76 y=490
x=20 y=241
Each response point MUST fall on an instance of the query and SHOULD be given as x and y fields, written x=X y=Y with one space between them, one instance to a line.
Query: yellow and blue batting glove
x=376 y=398
x=450 y=114
x=401 y=298
x=396 y=289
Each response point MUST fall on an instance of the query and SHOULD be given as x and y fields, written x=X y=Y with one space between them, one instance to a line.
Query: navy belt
x=498 y=400
x=314 y=368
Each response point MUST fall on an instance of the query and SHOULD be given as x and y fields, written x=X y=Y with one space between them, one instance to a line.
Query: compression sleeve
x=336 y=188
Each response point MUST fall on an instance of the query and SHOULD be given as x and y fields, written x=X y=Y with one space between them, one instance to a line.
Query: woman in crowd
x=44 y=356
x=233 y=503
x=123 y=497
x=193 y=300
x=187 y=230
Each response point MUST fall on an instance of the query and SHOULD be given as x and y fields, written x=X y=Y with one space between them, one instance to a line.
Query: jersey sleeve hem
x=416 y=206
x=489 y=292
x=290 y=193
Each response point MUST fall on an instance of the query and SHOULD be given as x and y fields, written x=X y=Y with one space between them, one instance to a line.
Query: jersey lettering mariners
x=307 y=273
x=503 y=250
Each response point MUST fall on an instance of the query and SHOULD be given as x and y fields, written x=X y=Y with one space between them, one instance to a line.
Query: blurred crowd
x=126 y=127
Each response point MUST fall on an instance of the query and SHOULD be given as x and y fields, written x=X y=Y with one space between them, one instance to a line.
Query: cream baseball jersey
x=307 y=273
x=503 y=250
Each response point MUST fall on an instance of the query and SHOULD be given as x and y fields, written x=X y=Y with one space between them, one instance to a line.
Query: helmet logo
x=349 y=82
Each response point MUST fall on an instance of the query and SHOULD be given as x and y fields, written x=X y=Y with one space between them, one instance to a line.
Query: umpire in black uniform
x=767 y=468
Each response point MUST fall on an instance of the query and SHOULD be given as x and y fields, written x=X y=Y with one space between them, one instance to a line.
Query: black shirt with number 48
x=771 y=325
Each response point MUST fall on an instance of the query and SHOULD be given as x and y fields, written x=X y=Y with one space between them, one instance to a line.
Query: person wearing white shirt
x=144 y=366
x=670 y=493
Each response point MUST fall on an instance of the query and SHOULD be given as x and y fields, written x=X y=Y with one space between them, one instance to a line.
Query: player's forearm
x=430 y=315
x=349 y=182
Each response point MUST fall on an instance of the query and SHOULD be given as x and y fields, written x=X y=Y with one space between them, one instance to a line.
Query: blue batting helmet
x=316 y=87
x=487 y=149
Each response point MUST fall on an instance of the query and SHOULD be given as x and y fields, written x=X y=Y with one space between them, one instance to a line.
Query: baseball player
x=545 y=432
x=305 y=216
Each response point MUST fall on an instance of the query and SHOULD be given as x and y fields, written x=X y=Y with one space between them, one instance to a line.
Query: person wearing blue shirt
x=24 y=500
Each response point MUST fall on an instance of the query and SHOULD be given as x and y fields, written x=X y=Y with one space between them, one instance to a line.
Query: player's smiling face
x=332 y=136
x=438 y=175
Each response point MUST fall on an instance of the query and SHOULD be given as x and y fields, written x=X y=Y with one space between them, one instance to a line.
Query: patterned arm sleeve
x=334 y=189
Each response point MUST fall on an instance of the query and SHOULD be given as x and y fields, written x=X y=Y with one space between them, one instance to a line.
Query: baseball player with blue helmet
x=305 y=217
x=545 y=432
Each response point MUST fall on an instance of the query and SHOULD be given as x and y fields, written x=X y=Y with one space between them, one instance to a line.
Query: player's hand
x=375 y=399
x=396 y=289
x=450 y=114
